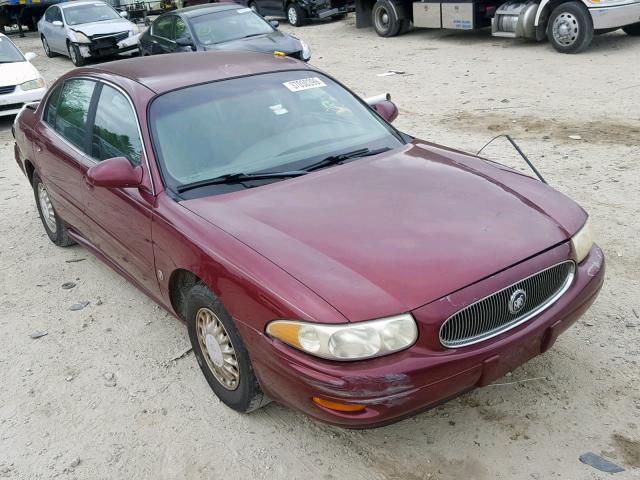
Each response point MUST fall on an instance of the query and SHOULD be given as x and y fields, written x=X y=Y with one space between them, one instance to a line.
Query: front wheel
x=221 y=353
x=74 y=54
x=570 y=28
x=295 y=15
x=54 y=227
x=385 y=19
x=632 y=30
x=47 y=49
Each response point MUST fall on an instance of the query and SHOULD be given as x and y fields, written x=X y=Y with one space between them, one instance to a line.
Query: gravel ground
x=100 y=397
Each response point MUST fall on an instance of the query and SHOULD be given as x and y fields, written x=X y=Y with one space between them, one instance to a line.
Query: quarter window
x=115 y=129
x=73 y=109
x=162 y=27
x=52 y=106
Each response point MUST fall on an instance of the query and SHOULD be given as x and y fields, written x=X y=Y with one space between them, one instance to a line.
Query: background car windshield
x=229 y=25
x=271 y=122
x=95 y=12
x=9 y=52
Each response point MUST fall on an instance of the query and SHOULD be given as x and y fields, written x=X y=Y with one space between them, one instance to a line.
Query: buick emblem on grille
x=517 y=301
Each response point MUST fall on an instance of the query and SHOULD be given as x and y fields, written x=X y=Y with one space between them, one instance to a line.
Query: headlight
x=134 y=30
x=81 y=37
x=352 y=341
x=582 y=241
x=33 y=84
x=306 y=51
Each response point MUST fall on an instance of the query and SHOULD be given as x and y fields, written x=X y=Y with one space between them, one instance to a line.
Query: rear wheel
x=385 y=20
x=74 y=54
x=45 y=46
x=633 y=30
x=53 y=225
x=570 y=28
x=295 y=15
x=220 y=352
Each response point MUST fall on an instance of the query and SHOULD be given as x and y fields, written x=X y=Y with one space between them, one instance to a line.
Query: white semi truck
x=568 y=24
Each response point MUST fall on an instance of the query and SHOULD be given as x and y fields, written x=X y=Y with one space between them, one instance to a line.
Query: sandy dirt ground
x=99 y=396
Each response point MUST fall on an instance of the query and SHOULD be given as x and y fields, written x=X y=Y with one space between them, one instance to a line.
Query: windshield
x=9 y=53
x=271 y=122
x=228 y=25
x=88 y=13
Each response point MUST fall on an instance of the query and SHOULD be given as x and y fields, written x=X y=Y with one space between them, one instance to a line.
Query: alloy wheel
x=292 y=15
x=217 y=349
x=48 y=214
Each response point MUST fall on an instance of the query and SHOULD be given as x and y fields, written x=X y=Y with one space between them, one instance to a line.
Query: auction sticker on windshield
x=304 y=84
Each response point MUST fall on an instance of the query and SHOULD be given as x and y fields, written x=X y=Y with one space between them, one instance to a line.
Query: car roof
x=161 y=73
x=79 y=2
x=198 y=10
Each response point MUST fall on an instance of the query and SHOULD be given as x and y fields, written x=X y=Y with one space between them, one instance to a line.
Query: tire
x=74 y=55
x=211 y=329
x=295 y=15
x=570 y=28
x=405 y=27
x=384 y=19
x=53 y=225
x=632 y=30
x=47 y=50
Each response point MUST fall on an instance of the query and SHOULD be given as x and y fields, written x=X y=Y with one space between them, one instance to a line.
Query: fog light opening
x=339 y=407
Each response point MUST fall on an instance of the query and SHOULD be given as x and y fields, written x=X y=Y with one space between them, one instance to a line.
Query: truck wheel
x=570 y=28
x=74 y=54
x=385 y=19
x=47 y=50
x=632 y=30
x=295 y=15
x=405 y=26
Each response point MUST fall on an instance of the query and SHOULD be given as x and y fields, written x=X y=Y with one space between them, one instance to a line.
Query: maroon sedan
x=320 y=257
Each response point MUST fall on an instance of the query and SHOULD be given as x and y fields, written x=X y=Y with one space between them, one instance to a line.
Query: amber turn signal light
x=340 y=407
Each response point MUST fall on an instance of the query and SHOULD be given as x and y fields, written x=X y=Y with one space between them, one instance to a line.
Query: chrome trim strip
x=516 y=322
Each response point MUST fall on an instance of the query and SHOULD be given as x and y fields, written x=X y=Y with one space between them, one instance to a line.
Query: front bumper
x=11 y=103
x=426 y=374
x=103 y=48
x=615 y=16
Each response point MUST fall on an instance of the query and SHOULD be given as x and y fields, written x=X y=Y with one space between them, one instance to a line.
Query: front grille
x=496 y=313
x=10 y=106
x=7 y=89
x=108 y=41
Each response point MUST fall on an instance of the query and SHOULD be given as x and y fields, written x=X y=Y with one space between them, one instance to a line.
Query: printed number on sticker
x=304 y=84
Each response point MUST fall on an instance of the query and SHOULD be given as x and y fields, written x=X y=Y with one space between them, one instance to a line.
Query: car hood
x=17 y=73
x=103 y=28
x=386 y=234
x=274 y=41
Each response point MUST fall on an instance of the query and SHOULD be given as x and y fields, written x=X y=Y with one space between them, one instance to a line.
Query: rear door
x=119 y=219
x=61 y=145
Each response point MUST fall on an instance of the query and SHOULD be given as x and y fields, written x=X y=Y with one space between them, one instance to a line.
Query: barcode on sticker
x=304 y=84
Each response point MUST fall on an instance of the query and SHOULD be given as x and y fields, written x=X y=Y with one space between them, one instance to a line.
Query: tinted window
x=162 y=27
x=181 y=30
x=90 y=13
x=115 y=130
x=71 y=119
x=53 y=14
x=270 y=122
x=228 y=25
x=52 y=106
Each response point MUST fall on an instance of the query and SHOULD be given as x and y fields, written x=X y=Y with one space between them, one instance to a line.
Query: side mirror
x=57 y=23
x=124 y=14
x=274 y=23
x=30 y=56
x=185 y=42
x=115 y=172
x=383 y=105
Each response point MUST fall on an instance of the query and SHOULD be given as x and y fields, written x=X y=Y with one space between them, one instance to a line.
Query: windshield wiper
x=253 y=35
x=341 y=157
x=239 y=178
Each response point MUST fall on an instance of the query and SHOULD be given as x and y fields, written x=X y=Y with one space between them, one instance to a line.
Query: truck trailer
x=568 y=24
x=23 y=13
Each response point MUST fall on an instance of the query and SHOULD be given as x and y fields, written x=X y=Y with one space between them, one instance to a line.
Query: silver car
x=86 y=29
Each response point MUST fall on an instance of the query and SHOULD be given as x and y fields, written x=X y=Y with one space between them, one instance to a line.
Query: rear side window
x=162 y=27
x=52 y=106
x=73 y=110
x=115 y=129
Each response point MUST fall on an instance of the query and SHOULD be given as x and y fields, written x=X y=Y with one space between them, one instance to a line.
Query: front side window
x=89 y=13
x=115 y=129
x=9 y=53
x=229 y=25
x=181 y=30
x=73 y=110
x=51 y=110
x=270 y=122
x=162 y=27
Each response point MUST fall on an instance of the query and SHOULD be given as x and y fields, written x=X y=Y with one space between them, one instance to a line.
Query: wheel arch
x=29 y=169
x=547 y=6
x=180 y=282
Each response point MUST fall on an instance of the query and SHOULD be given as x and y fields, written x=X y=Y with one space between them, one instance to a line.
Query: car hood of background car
x=386 y=234
x=16 y=73
x=267 y=43
x=103 y=28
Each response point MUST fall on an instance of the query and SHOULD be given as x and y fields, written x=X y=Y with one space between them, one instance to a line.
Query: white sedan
x=20 y=82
